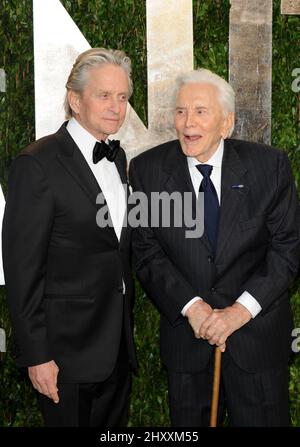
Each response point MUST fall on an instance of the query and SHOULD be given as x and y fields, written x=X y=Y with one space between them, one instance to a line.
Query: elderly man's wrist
x=243 y=312
x=193 y=308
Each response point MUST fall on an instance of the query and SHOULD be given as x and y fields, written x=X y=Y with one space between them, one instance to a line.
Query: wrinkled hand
x=221 y=323
x=197 y=313
x=44 y=379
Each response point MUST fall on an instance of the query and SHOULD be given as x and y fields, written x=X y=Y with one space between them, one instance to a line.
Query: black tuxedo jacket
x=258 y=252
x=64 y=273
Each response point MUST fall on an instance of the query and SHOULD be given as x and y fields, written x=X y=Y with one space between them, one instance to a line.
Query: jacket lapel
x=233 y=191
x=74 y=162
x=177 y=173
x=120 y=163
x=178 y=179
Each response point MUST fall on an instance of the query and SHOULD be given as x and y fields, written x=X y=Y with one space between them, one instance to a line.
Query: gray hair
x=226 y=93
x=91 y=58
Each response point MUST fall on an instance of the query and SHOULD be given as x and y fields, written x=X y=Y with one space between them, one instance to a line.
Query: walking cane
x=216 y=388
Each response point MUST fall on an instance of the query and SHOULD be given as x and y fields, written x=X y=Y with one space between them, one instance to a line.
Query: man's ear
x=227 y=125
x=74 y=101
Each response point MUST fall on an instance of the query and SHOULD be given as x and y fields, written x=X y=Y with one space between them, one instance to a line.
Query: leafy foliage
x=122 y=24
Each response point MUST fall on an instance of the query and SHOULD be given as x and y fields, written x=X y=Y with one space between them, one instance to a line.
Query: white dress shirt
x=246 y=299
x=105 y=172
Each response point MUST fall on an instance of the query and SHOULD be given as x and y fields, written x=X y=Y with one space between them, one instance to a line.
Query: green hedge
x=122 y=24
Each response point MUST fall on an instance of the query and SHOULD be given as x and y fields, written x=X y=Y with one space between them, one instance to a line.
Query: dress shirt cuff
x=188 y=305
x=248 y=301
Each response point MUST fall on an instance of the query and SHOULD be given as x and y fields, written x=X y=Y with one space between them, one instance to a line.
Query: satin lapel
x=74 y=162
x=178 y=179
x=232 y=196
x=120 y=163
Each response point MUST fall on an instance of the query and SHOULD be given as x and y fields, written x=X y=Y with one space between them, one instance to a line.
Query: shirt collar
x=215 y=160
x=84 y=140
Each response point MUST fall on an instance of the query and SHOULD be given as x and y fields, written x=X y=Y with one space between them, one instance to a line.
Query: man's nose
x=189 y=121
x=115 y=105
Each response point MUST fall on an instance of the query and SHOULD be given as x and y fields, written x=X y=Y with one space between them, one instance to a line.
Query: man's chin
x=112 y=130
x=190 y=150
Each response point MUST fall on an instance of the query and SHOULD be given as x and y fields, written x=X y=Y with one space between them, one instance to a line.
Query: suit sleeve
x=280 y=266
x=26 y=234
x=159 y=277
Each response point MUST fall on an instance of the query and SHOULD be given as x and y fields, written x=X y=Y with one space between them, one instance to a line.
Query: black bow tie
x=102 y=150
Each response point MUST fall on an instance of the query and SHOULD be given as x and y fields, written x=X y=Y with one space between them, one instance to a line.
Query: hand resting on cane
x=197 y=314
x=221 y=323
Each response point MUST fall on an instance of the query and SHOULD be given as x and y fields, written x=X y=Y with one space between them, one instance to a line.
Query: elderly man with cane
x=228 y=288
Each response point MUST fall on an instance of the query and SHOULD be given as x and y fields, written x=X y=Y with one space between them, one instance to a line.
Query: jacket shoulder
x=157 y=153
x=43 y=150
x=250 y=149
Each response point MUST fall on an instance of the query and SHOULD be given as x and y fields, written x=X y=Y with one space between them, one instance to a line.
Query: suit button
x=210 y=259
x=213 y=290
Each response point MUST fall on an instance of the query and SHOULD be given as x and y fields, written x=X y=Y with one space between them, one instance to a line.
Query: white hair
x=94 y=57
x=226 y=93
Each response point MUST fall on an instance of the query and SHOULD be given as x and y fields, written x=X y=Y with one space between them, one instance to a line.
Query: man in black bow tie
x=69 y=283
x=229 y=287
